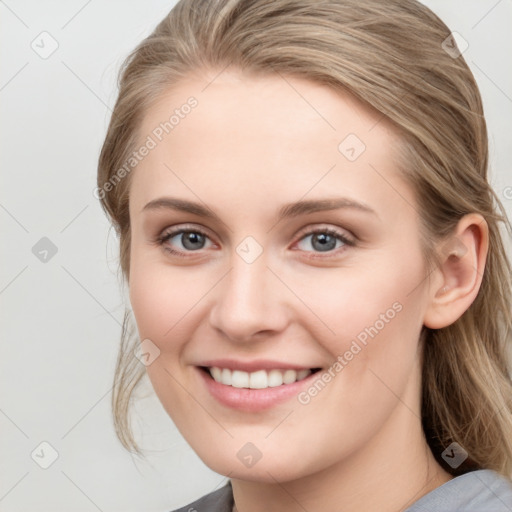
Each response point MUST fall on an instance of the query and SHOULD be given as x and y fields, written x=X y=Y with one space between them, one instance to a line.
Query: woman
x=316 y=270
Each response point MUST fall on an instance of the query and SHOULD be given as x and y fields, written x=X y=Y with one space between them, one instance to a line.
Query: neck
x=393 y=470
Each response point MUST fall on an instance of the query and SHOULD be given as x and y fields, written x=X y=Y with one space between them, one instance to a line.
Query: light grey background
x=61 y=318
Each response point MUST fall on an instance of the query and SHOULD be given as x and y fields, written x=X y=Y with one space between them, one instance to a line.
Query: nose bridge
x=248 y=299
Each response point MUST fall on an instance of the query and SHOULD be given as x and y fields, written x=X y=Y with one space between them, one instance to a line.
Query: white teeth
x=216 y=373
x=275 y=378
x=225 y=377
x=289 y=376
x=239 y=379
x=260 y=379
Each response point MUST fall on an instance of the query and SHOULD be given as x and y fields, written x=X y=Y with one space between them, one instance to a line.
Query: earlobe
x=459 y=275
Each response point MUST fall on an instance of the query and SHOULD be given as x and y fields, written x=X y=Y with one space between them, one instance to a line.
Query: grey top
x=478 y=491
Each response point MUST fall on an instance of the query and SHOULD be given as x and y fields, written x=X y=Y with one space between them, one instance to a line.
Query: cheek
x=373 y=298
x=375 y=360
x=152 y=307
x=163 y=297
x=374 y=314
x=163 y=301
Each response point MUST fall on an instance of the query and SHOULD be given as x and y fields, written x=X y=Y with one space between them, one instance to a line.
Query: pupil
x=189 y=239
x=327 y=242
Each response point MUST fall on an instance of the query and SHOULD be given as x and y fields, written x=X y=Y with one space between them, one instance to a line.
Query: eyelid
x=171 y=231
x=326 y=228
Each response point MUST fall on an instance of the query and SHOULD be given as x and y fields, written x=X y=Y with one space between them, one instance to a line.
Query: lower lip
x=253 y=400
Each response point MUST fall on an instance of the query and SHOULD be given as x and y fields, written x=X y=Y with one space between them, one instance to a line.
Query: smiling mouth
x=260 y=379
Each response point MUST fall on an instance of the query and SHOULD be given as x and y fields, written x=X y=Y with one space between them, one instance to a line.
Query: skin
x=252 y=145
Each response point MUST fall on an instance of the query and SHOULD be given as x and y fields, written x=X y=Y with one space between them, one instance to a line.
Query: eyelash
x=166 y=236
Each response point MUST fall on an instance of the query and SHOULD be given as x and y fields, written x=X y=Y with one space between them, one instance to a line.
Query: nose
x=250 y=301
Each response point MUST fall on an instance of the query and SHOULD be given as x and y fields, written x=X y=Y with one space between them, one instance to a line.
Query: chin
x=269 y=468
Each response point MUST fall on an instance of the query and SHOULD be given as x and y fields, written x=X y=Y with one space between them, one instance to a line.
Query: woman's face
x=273 y=239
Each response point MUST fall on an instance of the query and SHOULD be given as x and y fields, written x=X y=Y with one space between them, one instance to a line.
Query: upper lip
x=251 y=366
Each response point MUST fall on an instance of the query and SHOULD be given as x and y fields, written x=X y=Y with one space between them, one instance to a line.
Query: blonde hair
x=389 y=55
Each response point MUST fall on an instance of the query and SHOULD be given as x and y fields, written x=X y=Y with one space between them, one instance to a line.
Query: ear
x=457 y=280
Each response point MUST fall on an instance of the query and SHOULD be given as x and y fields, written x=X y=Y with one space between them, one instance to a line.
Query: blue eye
x=325 y=240
x=322 y=240
x=191 y=240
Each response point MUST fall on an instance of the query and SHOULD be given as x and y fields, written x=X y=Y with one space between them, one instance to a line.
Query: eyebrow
x=288 y=210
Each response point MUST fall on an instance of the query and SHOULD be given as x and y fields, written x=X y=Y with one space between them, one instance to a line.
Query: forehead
x=268 y=105
x=269 y=135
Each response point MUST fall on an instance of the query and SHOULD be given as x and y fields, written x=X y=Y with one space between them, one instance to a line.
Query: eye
x=180 y=241
x=324 y=240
